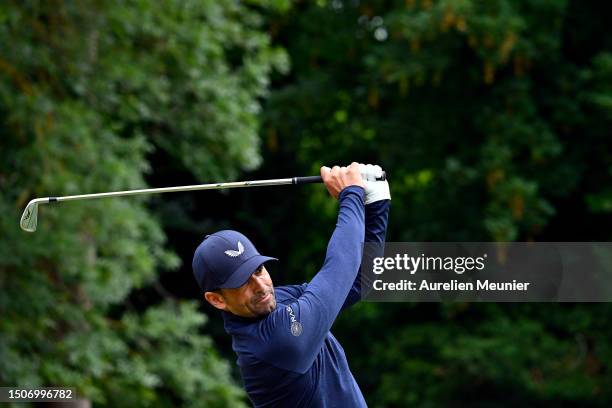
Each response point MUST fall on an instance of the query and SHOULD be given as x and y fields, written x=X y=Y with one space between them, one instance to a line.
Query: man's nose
x=258 y=283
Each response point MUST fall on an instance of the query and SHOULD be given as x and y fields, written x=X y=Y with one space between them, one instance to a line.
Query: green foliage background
x=492 y=119
x=86 y=93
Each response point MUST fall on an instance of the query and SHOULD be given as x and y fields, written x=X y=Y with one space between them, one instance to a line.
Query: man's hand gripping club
x=338 y=178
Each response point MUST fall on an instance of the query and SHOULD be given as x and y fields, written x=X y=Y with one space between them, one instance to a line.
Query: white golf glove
x=374 y=190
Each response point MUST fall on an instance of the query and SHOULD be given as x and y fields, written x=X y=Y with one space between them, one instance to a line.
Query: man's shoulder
x=289 y=293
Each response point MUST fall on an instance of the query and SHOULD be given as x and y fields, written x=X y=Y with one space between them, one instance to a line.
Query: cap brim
x=242 y=274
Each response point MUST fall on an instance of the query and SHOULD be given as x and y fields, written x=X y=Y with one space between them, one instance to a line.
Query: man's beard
x=262 y=308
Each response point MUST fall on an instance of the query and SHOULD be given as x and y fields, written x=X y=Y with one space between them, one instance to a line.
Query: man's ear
x=215 y=299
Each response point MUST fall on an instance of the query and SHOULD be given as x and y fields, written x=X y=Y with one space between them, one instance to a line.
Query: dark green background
x=492 y=119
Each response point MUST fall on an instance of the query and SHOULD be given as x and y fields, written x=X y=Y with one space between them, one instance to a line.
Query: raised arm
x=295 y=347
x=377 y=199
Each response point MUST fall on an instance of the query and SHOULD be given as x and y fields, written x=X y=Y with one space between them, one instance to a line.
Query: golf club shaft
x=195 y=187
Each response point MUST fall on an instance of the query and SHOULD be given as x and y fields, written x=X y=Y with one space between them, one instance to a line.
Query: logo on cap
x=232 y=253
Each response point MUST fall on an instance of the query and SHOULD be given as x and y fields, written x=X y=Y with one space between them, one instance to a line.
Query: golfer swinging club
x=286 y=352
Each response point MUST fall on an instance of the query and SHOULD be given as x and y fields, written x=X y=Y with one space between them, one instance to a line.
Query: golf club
x=29 y=218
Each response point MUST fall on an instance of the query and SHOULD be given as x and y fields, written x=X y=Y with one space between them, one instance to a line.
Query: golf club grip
x=307 y=180
x=318 y=179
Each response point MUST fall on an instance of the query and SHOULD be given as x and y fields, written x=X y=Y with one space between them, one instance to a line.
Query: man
x=286 y=352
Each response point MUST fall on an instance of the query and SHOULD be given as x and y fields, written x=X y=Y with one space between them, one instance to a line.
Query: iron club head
x=29 y=218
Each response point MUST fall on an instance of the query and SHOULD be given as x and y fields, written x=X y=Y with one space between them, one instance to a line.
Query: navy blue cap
x=226 y=259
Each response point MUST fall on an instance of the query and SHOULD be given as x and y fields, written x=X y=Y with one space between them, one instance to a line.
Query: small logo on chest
x=296 y=327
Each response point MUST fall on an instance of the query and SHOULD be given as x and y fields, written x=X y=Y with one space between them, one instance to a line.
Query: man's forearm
x=333 y=282
x=376 y=220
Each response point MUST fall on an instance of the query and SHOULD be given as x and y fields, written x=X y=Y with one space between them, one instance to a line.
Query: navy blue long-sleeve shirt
x=289 y=358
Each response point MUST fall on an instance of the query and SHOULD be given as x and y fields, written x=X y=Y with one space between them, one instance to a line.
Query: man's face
x=253 y=299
